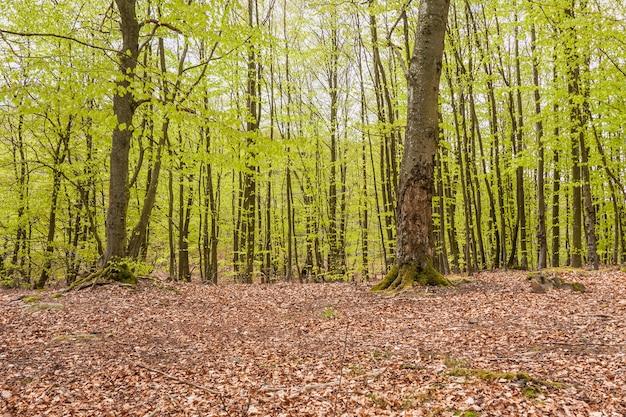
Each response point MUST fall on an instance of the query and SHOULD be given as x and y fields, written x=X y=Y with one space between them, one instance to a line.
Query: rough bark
x=413 y=261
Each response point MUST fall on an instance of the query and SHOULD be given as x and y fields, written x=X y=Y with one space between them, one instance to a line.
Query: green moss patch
x=531 y=387
x=76 y=337
x=401 y=278
x=35 y=307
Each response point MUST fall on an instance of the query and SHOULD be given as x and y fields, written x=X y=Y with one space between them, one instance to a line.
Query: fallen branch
x=602 y=316
x=311 y=387
x=182 y=381
x=582 y=344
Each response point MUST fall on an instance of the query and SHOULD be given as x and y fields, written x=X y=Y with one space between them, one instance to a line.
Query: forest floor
x=489 y=347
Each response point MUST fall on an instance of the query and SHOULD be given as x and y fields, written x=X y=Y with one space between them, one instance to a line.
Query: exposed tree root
x=113 y=273
x=402 y=278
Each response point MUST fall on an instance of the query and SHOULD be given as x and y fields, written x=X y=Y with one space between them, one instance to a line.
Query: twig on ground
x=182 y=381
x=602 y=316
x=583 y=344
x=311 y=387
x=343 y=358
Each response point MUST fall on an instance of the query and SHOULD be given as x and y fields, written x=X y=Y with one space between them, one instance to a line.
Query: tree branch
x=57 y=36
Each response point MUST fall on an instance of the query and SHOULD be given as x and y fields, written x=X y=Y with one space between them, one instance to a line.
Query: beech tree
x=206 y=144
x=413 y=261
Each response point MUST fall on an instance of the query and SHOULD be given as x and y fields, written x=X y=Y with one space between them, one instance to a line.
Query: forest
x=312 y=147
x=251 y=141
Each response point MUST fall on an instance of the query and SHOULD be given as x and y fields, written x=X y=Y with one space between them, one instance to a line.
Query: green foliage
x=379 y=401
x=378 y=355
x=56 y=116
x=329 y=313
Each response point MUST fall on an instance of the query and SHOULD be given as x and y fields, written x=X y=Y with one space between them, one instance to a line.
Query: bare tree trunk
x=415 y=191
x=124 y=108
x=60 y=154
x=575 y=116
x=519 y=146
x=556 y=188
x=542 y=241
x=253 y=106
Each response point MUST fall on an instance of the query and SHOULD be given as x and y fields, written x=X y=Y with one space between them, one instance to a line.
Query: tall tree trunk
x=19 y=257
x=519 y=172
x=124 y=108
x=413 y=260
x=209 y=233
x=542 y=241
x=451 y=210
x=388 y=170
x=441 y=214
x=556 y=189
x=590 y=214
x=573 y=75
x=249 y=194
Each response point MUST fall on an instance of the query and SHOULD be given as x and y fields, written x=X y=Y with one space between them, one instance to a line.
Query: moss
x=57 y=295
x=531 y=391
x=31 y=299
x=487 y=375
x=32 y=308
x=378 y=401
x=452 y=362
x=467 y=413
x=458 y=279
x=76 y=337
x=578 y=287
x=430 y=276
x=120 y=272
x=402 y=278
x=387 y=280
x=377 y=355
x=115 y=272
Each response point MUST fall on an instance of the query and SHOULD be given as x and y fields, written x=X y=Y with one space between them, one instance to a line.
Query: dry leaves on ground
x=489 y=347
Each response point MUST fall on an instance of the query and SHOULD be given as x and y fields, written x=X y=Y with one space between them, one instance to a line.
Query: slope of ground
x=487 y=348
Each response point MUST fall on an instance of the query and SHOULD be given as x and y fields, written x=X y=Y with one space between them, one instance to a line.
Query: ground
x=488 y=347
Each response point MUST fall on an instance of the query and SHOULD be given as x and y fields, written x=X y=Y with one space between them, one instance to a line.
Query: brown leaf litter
x=489 y=347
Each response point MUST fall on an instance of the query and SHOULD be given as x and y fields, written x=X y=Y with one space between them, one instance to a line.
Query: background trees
x=264 y=137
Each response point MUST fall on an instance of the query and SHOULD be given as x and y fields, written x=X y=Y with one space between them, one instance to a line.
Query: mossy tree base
x=112 y=273
x=402 y=278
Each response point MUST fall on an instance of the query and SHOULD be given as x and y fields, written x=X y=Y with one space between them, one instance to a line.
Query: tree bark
x=413 y=260
x=124 y=108
x=542 y=241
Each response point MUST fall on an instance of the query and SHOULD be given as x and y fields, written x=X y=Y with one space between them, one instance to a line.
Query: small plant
x=377 y=354
x=378 y=401
x=329 y=313
x=531 y=391
x=452 y=362
x=467 y=413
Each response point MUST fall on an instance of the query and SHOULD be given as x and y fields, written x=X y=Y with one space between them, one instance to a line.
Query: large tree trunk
x=413 y=261
x=124 y=109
